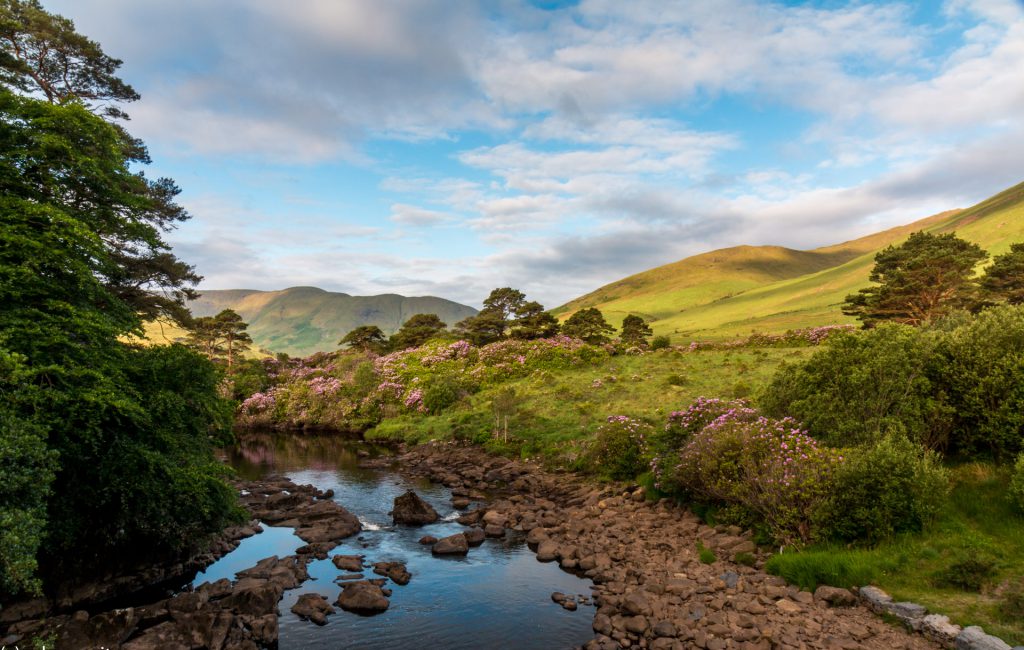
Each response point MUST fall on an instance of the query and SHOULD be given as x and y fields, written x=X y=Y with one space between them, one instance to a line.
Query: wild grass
x=976 y=526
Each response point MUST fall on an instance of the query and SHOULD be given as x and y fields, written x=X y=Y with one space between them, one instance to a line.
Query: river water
x=499 y=596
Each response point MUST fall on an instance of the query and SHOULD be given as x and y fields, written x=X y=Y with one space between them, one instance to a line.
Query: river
x=498 y=596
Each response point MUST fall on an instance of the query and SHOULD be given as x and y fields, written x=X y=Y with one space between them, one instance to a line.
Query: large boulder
x=451 y=545
x=363 y=598
x=411 y=509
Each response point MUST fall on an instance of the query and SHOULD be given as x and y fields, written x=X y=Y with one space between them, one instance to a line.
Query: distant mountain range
x=304 y=320
x=729 y=292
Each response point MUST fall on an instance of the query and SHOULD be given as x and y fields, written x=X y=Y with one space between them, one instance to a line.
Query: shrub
x=861 y=385
x=890 y=487
x=616 y=448
x=983 y=374
x=967 y=572
x=660 y=342
x=746 y=559
x=706 y=555
x=1011 y=603
x=675 y=380
x=828 y=566
x=769 y=467
x=1017 y=484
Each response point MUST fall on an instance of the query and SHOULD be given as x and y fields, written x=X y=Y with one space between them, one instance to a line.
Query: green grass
x=728 y=293
x=976 y=522
x=558 y=410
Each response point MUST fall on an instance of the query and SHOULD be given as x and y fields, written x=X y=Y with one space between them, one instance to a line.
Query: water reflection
x=496 y=597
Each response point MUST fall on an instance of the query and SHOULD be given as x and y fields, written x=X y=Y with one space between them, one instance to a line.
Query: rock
x=788 y=606
x=547 y=551
x=974 y=638
x=24 y=610
x=451 y=545
x=938 y=628
x=569 y=604
x=428 y=539
x=909 y=613
x=835 y=596
x=394 y=570
x=460 y=503
x=876 y=598
x=363 y=598
x=635 y=603
x=313 y=607
x=475 y=536
x=492 y=530
x=665 y=629
x=352 y=563
x=254 y=600
x=410 y=509
x=349 y=576
x=602 y=624
x=636 y=624
x=495 y=518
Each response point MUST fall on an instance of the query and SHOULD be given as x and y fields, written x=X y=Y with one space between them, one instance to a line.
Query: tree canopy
x=635 y=331
x=416 y=331
x=588 y=325
x=533 y=322
x=920 y=280
x=368 y=338
x=1004 y=279
x=222 y=336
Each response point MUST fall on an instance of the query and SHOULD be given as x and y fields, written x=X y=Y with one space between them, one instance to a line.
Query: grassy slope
x=303 y=320
x=730 y=292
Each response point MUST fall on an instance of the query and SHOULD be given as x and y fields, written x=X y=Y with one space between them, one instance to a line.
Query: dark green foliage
x=879 y=490
x=1016 y=491
x=635 y=331
x=588 y=325
x=919 y=281
x=1011 y=603
x=1004 y=280
x=416 y=331
x=220 y=336
x=367 y=338
x=706 y=555
x=675 y=380
x=808 y=569
x=532 y=322
x=746 y=559
x=969 y=572
x=615 y=451
x=982 y=375
x=43 y=52
x=441 y=392
x=486 y=327
x=660 y=342
x=860 y=385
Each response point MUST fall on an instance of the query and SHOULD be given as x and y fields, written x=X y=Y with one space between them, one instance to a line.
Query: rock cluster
x=317 y=520
x=410 y=509
x=650 y=588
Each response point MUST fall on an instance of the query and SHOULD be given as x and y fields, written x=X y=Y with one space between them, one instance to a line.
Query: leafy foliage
x=1016 y=491
x=615 y=449
x=416 y=331
x=859 y=386
x=366 y=338
x=532 y=322
x=1004 y=279
x=635 y=331
x=588 y=325
x=892 y=486
x=918 y=281
x=219 y=336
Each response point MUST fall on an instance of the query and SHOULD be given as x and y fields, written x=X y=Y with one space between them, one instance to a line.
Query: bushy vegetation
x=1016 y=491
x=107 y=448
x=616 y=448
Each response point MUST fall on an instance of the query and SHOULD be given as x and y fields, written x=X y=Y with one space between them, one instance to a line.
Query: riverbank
x=661 y=578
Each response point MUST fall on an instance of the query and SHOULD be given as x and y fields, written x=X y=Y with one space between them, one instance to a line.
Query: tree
x=232 y=329
x=416 y=331
x=505 y=302
x=919 y=281
x=368 y=338
x=486 y=327
x=588 y=325
x=1005 y=278
x=635 y=331
x=532 y=322
x=118 y=439
x=42 y=52
x=220 y=336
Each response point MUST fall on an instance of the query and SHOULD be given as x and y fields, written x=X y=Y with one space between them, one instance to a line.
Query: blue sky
x=445 y=148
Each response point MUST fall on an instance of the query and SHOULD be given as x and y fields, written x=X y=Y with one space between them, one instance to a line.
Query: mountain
x=304 y=320
x=729 y=292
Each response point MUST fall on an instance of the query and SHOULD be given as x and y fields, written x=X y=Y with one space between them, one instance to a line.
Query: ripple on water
x=498 y=596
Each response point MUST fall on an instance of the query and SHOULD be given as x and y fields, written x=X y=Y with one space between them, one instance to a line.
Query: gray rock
x=835 y=596
x=938 y=628
x=475 y=536
x=665 y=629
x=974 y=638
x=875 y=598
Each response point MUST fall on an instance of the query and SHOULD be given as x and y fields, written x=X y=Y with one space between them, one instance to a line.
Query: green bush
x=968 y=572
x=675 y=380
x=860 y=385
x=615 y=450
x=826 y=566
x=660 y=342
x=706 y=555
x=983 y=375
x=1017 y=485
x=889 y=487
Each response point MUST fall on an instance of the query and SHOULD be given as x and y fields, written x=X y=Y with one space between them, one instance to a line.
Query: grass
x=556 y=411
x=977 y=522
x=727 y=293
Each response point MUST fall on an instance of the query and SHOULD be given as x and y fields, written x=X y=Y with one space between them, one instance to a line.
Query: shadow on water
x=499 y=596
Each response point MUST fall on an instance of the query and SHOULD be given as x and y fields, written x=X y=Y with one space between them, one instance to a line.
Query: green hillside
x=304 y=320
x=729 y=292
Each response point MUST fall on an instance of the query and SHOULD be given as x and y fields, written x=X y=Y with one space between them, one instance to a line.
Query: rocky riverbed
x=649 y=586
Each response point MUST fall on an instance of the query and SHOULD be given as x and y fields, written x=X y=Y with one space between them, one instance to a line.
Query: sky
x=445 y=147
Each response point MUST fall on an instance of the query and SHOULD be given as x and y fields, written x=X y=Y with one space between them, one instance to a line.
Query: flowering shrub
x=791 y=338
x=616 y=448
